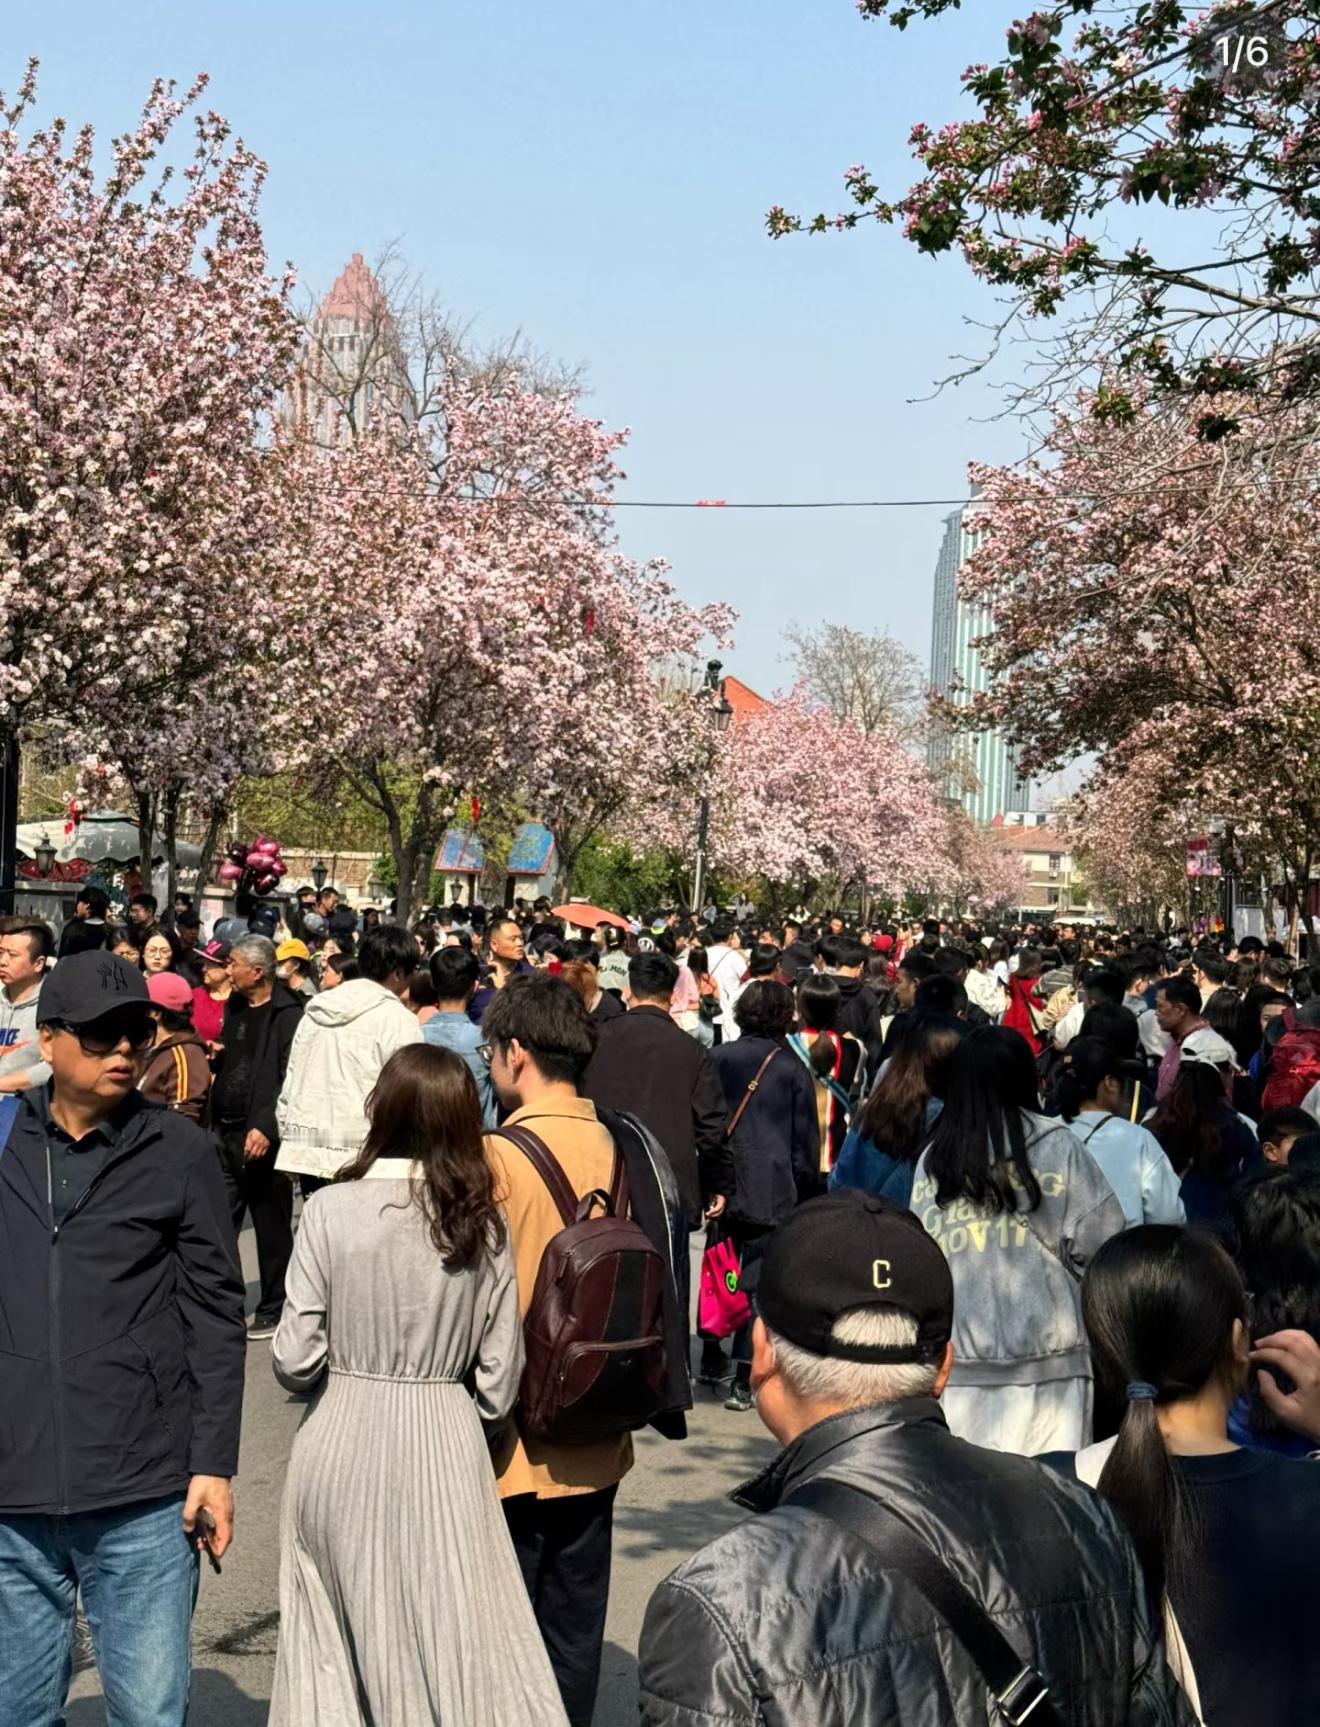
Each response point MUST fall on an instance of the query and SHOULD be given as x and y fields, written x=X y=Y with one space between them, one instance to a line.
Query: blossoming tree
x=1209 y=110
x=806 y=801
x=142 y=341
x=1149 y=597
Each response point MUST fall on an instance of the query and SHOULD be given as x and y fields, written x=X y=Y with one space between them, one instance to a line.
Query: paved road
x=674 y=1500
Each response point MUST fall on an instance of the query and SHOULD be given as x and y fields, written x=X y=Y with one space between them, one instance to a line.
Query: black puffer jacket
x=788 y=1622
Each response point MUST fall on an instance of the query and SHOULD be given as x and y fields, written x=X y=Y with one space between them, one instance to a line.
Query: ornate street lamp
x=712 y=694
x=44 y=855
x=319 y=873
x=375 y=889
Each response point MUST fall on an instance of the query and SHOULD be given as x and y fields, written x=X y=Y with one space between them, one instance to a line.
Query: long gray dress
x=401 y=1601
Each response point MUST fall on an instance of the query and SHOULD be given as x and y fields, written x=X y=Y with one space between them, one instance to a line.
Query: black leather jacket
x=788 y=1622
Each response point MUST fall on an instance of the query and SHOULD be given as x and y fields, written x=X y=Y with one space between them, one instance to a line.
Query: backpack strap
x=548 y=1167
x=737 y=1115
x=1018 y=1690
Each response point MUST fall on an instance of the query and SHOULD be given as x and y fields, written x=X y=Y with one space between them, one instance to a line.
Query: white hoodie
x=343 y=1040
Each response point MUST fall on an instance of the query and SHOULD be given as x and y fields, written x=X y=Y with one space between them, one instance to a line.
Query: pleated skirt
x=401 y=1601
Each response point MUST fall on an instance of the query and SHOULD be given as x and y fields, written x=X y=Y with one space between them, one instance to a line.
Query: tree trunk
x=171 y=837
x=9 y=777
x=210 y=841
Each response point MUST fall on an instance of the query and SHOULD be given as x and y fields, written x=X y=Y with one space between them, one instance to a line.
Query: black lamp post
x=319 y=873
x=721 y=714
x=44 y=855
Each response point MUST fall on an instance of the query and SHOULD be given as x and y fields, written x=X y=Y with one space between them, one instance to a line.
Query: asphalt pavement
x=674 y=1501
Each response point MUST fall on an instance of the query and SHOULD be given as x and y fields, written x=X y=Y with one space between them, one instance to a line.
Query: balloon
x=270 y=847
x=267 y=883
x=256 y=860
x=229 y=872
x=238 y=852
x=279 y=868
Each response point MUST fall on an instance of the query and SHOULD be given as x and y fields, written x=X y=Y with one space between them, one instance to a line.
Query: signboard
x=461 y=853
x=531 y=850
x=1202 y=860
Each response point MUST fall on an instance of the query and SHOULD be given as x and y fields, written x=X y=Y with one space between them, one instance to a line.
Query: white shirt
x=726 y=966
x=985 y=989
x=1135 y=1165
x=1069 y=1025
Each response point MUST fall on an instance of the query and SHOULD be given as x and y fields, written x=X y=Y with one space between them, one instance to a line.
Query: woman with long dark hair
x=1205 y=1139
x=1026 y=1002
x=1227 y=1536
x=886 y=1138
x=1019 y=1206
x=400 y=1594
x=831 y=1056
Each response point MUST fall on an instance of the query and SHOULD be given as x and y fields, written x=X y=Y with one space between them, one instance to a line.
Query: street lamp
x=44 y=855
x=319 y=873
x=721 y=713
x=375 y=888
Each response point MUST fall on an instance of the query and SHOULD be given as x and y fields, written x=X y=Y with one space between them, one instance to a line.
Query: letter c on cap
x=880 y=1273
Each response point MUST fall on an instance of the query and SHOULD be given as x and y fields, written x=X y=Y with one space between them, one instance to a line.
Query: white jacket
x=345 y=1037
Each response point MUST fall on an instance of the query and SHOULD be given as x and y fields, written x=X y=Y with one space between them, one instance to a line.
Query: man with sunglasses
x=121 y=1361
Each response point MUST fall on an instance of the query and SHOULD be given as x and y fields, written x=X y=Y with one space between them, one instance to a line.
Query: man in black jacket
x=844 y=958
x=647 y=1064
x=121 y=1361
x=261 y=1016
x=797 y=1615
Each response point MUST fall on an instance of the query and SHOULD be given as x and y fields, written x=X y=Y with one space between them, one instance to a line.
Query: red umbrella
x=587 y=916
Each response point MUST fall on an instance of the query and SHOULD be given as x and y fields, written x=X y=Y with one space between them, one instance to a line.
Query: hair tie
x=1141 y=1391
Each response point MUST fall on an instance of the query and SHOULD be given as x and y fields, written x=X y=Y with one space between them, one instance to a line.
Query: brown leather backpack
x=596 y=1361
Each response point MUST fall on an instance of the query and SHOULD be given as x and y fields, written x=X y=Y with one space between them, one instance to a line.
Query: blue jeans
x=137 y=1572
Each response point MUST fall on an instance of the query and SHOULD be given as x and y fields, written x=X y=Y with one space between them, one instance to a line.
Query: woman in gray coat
x=400 y=1596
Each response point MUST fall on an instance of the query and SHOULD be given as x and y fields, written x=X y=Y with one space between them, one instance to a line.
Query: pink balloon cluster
x=257 y=868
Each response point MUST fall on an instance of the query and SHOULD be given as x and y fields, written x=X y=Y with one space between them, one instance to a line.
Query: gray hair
x=258 y=951
x=830 y=1379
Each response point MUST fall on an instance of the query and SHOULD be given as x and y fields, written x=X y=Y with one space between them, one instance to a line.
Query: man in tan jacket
x=558 y=1499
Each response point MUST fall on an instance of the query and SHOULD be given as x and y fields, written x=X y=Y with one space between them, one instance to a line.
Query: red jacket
x=1024 y=999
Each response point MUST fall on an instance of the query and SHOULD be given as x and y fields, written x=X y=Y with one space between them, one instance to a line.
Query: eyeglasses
x=104 y=1038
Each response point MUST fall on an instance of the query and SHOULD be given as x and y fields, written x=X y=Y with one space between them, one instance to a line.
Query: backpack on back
x=594 y=1332
x=1294 y=1067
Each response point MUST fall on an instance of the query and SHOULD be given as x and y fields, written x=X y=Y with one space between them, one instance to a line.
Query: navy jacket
x=122 y=1347
x=776 y=1144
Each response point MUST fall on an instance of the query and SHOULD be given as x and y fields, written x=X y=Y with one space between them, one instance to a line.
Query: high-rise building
x=974 y=769
x=351 y=368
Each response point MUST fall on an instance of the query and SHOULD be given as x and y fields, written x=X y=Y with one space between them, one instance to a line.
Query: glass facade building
x=974 y=769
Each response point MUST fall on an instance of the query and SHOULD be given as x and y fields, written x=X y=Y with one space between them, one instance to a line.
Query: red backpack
x=594 y=1332
x=1294 y=1066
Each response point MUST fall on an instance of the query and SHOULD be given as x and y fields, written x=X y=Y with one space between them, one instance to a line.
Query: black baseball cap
x=87 y=986
x=850 y=1249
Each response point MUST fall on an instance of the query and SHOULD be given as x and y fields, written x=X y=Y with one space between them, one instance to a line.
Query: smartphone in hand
x=203 y=1530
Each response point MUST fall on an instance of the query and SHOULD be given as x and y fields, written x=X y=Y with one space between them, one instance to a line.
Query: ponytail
x=1088 y=1062
x=823 y=1054
x=1140 y=1482
x=1160 y=1304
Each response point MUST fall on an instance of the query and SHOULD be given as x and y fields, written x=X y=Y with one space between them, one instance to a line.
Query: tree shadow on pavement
x=215 y=1701
x=660 y=1515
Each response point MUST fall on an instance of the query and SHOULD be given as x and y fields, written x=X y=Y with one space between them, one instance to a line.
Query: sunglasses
x=485 y=1051
x=103 y=1037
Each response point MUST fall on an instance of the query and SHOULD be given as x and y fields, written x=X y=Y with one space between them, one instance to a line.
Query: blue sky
x=597 y=175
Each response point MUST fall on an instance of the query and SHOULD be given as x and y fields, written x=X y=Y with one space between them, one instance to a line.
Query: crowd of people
x=1018 y=1232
